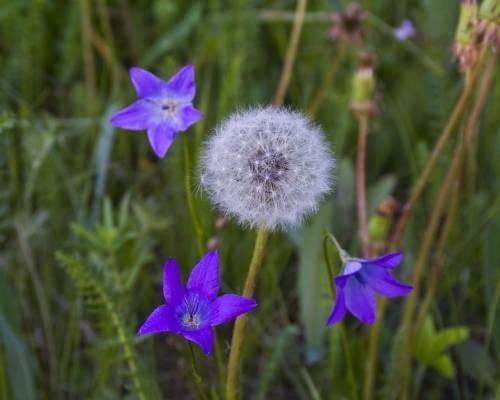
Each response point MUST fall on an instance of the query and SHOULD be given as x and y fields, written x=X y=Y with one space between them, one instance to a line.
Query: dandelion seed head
x=267 y=166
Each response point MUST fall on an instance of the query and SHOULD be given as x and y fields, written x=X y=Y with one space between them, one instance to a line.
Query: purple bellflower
x=194 y=310
x=358 y=282
x=164 y=108
x=404 y=31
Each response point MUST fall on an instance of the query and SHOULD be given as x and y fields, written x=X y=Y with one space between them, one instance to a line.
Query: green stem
x=442 y=199
x=319 y=98
x=239 y=326
x=196 y=374
x=361 y=183
x=189 y=194
x=345 y=341
x=291 y=53
x=403 y=221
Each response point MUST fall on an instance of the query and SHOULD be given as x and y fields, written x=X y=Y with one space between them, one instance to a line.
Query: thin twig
x=402 y=223
x=432 y=229
x=361 y=183
x=286 y=72
x=318 y=99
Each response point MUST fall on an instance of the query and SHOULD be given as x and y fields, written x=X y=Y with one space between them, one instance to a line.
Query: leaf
x=313 y=283
x=449 y=337
x=476 y=362
x=19 y=363
x=430 y=346
x=444 y=366
x=167 y=41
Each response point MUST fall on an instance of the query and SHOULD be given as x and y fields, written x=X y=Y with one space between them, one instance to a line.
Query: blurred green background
x=88 y=214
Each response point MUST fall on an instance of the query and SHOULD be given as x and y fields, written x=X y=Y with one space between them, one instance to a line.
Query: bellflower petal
x=182 y=84
x=339 y=309
x=145 y=83
x=384 y=283
x=204 y=277
x=193 y=311
x=160 y=320
x=173 y=291
x=350 y=268
x=164 y=108
x=360 y=300
x=202 y=337
x=187 y=116
x=160 y=138
x=358 y=282
x=138 y=116
x=229 y=306
x=389 y=261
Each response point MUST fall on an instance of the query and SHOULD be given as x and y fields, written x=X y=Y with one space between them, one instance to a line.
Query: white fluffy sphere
x=267 y=166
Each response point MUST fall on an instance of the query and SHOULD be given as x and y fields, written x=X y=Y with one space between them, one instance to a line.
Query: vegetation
x=88 y=213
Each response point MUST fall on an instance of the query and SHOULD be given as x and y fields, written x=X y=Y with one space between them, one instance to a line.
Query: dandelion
x=404 y=31
x=268 y=167
x=194 y=310
x=358 y=282
x=164 y=108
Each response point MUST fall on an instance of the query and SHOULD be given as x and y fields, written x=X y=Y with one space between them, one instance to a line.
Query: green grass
x=97 y=197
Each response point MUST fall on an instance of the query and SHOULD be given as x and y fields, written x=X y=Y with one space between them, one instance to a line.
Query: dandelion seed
x=194 y=310
x=274 y=178
x=358 y=282
x=164 y=108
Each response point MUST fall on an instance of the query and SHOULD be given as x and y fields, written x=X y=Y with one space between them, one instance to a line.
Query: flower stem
x=402 y=223
x=434 y=223
x=345 y=341
x=291 y=53
x=327 y=81
x=239 y=326
x=361 y=183
x=189 y=193
x=196 y=374
x=431 y=163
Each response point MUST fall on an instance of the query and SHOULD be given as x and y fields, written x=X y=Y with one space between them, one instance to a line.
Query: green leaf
x=18 y=364
x=449 y=337
x=430 y=346
x=313 y=283
x=443 y=365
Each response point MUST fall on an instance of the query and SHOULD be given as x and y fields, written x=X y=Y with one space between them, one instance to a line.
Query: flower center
x=192 y=312
x=191 y=321
x=168 y=106
x=268 y=167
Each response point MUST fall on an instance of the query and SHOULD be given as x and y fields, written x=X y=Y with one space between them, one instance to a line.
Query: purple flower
x=163 y=109
x=358 y=282
x=405 y=30
x=193 y=310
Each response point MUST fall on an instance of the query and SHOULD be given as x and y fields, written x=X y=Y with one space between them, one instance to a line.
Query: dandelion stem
x=327 y=81
x=189 y=193
x=239 y=326
x=361 y=183
x=291 y=53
